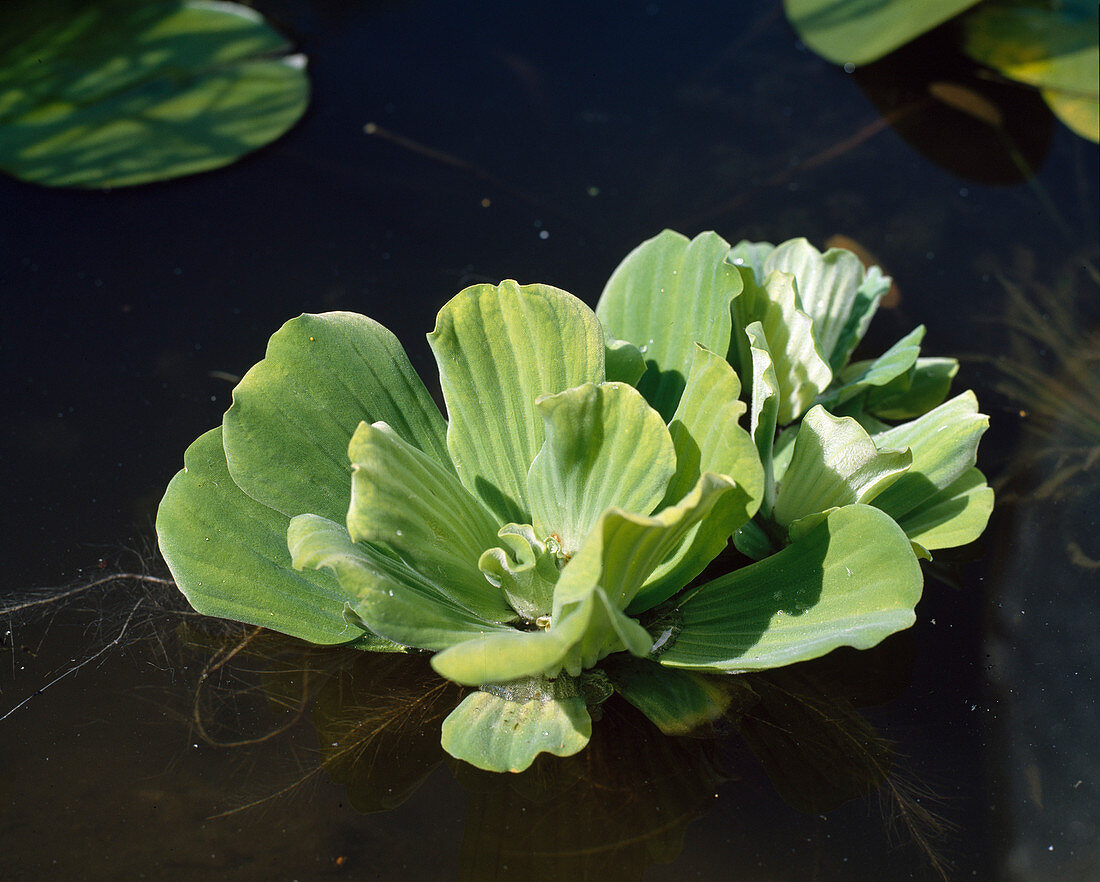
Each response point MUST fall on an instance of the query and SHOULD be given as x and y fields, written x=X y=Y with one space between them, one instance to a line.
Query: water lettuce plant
x=551 y=541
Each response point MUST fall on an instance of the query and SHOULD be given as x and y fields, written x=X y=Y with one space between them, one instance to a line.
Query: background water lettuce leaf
x=861 y=31
x=111 y=93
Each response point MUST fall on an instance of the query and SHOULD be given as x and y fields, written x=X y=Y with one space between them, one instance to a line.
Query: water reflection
x=609 y=812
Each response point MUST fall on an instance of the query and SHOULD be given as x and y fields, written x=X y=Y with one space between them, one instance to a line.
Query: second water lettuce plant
x=546 y=542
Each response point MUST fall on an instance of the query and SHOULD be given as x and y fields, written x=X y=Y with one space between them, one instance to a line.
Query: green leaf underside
x=117 y=92
x=498 y=349
x=851 y=581
x=676 y=701
x=228 y=554
x=896 y=363
x=605 y=447
x=835 y=463
x=293 y=414
x=668 y=294
x=583 y=632
x=391 y=599
x=944 y=443
x=402 y=498
x=955 y=516
x=502 y=734
x=862 y=31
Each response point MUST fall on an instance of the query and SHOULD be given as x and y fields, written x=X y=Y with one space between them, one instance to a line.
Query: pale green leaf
x=955 y=516
x=402 y=498
x=110 y=93
x=498 y=349
x=624 y=361
x=605 y=447
x=505 y=728
x=763 y=408
x=293 y=414
x=862 y=31
x=228 y=554
x=917 y=391
x=895 y=364
x=524 y=569
x=944 y=443
x=851 y=581
x=581 y=633
x=668 y=294
x=835 y=463
x=385 y=594
x=831 y=292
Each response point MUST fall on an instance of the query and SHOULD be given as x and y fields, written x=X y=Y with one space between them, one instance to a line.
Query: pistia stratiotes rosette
x=546 y=543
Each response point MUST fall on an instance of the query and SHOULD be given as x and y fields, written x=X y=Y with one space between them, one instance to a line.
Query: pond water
x=543 y=143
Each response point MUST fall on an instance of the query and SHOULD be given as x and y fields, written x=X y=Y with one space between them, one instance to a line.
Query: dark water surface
x=573 y=132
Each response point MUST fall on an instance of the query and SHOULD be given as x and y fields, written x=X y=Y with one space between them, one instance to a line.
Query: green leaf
x=1052 y=47
x=799 y=367
x=111 y=93
x=705 y=430
x=383 y=593
x=851 y=581
x=862 y=31
x=498 y=349
x=524 y=569
x=668 y=294
x=920 y=389
x=402 y=498
x=582 y=632
x=624 y=361
x=678 y=702
x=505 y=728
x=895 y=364
x=229 y=557
x=944 y=443
x=293 y=414
x=832 y=292
x=954 y=516
x=835 y=463
x=763 y=408
x=605 y=447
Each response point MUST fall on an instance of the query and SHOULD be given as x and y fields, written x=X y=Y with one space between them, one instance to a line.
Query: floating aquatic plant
x=547 y=542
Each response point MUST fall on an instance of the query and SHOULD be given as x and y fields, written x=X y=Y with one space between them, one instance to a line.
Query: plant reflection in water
x=608 y=812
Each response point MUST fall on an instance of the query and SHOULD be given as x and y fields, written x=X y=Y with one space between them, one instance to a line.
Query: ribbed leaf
x=605 y=447
x=835 y=463
x=402 y=498
x=895 y=364
x=228 y=554
x=504 y=729
x=954 y=516
x=851 y=581
x=831 y=293
x=920 y=389
x=389 y=598
x=498 y=349
x=581 y=633
x=293 y=414
x=668 y=294
x=800 y=369
x=763 y=408
x=944 y=443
